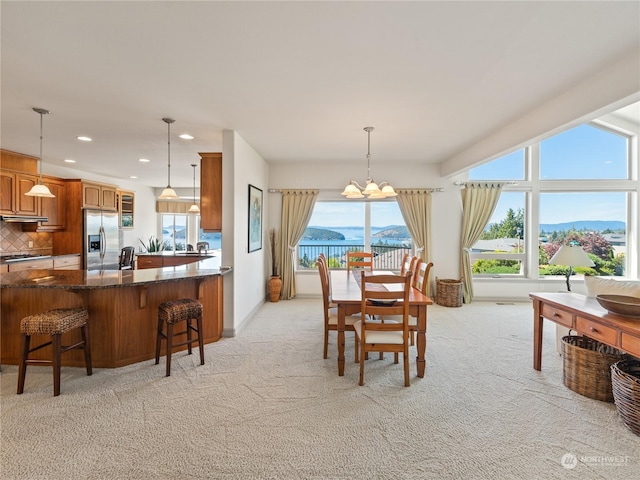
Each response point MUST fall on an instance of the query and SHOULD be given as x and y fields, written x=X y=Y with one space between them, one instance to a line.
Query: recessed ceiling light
x=133 y=176
x=186 y=136
x=144 y=160
x=68 y=160
x=84 y=139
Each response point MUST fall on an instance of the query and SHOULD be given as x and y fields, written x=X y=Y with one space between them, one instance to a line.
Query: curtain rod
x=460 y=183
x=437 y=189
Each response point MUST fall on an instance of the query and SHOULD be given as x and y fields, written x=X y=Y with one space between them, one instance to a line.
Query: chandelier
x=371 y=188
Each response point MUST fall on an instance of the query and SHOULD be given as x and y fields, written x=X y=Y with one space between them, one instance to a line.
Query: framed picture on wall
x=255 y=218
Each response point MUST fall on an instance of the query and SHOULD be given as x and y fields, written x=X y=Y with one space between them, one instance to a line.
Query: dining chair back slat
x=359 y=260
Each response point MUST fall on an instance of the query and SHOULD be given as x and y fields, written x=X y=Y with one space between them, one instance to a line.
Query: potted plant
x=155 y=245
x=275 y=282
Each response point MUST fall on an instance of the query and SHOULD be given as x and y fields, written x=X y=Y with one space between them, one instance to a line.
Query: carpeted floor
x=267 y=406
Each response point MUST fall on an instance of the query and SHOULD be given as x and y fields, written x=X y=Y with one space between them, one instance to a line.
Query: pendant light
x=40 y=190
x=168 y=193
x=371 y=189
x=194 y=208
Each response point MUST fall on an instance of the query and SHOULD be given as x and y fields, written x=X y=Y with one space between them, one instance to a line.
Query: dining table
x=347 y=296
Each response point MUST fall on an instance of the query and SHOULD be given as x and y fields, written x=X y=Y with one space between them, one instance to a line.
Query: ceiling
x=297 y=80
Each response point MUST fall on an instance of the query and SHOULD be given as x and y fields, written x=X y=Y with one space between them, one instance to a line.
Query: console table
x=584 y=315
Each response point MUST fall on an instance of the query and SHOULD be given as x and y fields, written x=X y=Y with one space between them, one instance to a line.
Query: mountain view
x=581 y=225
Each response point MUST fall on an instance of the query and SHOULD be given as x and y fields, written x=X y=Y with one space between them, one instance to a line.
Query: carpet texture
x=267 y=406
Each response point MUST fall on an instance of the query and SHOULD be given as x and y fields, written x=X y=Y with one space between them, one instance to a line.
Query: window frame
x=533 y=186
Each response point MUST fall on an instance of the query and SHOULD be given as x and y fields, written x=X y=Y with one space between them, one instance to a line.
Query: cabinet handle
x=556 y=314
x=594 y=330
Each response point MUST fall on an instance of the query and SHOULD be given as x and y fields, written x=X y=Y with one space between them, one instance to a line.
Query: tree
x=511 y=227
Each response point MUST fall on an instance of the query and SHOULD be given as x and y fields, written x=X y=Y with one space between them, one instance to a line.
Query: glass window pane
x=390 y=239
x=180 y=235
x=509 y=167
x=214 y=238
x=584 y=152
x=501 y=247
x=596 y=220
x=334 y=228
x=167 y=231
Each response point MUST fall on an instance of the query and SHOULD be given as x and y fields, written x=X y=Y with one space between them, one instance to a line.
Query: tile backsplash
x=13 y=240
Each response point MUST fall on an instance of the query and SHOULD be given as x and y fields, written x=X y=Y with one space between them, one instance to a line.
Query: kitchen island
x=122 y=305
x=170 y=258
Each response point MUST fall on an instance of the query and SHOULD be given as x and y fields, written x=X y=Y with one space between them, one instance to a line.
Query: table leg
x=341 y=316
x=537 y=335
x=421 y=340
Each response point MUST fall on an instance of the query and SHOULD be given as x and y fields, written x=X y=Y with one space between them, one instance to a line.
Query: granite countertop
x=86 y=280
x=171 y=253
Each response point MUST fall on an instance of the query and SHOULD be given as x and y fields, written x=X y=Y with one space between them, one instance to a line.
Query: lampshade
x=571 y=256
x=371 y=189
x=168 y=193
x=39 y=189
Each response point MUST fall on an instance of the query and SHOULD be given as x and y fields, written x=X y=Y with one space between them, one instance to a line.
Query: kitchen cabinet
x=4 y=268
x=211 y=192
x=100 y=196
x=13 y=200
x=125 y=208
x=39 y=264
x=53 y=208
x=66 y=262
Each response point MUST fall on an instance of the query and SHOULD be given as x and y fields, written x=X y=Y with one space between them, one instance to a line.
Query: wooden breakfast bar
x=122 y=305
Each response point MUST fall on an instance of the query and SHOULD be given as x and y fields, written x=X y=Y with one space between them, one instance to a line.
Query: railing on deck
x=387 y=257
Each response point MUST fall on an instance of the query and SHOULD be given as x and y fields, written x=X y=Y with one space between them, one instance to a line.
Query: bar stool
x=175 y=311
x=53 y=323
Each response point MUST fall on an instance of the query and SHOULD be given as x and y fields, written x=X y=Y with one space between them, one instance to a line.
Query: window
x=584 y=152
x=214 y=238
x=569 y=201
x=595 y=220
x=501 y=248
x=509 y=167
x=174 y=232
x=336 y=227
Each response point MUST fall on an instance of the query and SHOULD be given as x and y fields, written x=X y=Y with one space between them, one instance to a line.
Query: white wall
x=245 y=287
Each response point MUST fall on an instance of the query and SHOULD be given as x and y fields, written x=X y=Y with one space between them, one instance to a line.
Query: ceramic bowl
x=620 y=304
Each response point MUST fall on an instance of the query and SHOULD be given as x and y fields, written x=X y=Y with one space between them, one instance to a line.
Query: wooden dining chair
x=421 y=276
x=380 y=301
x=420 y=282
x=406 y=264
x=331 y=311
x=125 y=261
x=359 y=260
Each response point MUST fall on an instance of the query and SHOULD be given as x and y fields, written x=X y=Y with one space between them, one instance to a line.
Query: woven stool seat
x=54 y=322
x=179 y=310
x=172 y=312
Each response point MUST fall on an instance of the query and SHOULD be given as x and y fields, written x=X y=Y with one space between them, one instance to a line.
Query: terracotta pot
x=274 y=286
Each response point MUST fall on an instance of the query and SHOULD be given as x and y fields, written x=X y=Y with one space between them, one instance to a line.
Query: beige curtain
x=415 y=206
x=297 y=206
x=479 y=200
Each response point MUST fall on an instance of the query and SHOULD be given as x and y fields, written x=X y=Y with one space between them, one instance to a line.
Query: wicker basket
x=625 y=380
x=449 y=292
x=586 y=365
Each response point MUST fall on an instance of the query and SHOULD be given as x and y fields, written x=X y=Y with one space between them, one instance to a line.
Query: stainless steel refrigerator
x=101 y=240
